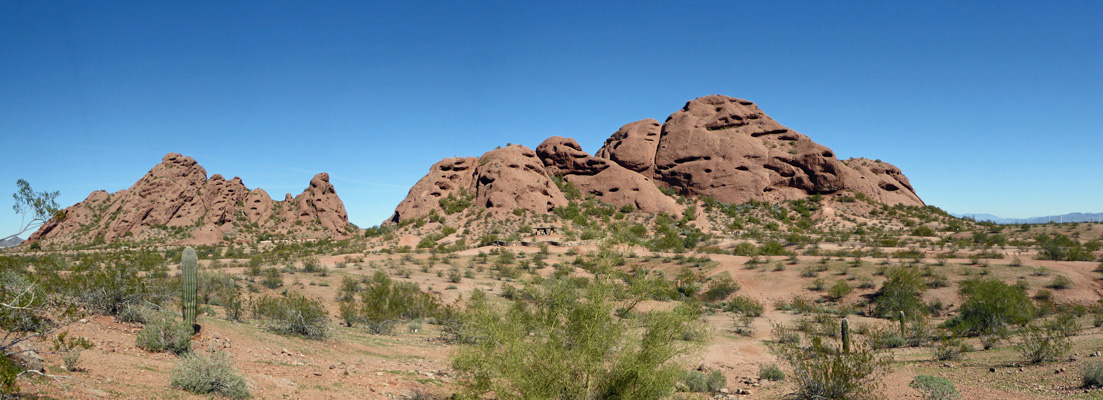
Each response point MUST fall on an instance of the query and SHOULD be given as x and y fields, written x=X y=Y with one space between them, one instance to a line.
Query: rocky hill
x=175 y=202
x=715 y=146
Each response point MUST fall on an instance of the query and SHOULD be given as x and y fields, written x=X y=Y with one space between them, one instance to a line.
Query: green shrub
x=821 y=371
x=164 y=334
x=1092 y=374
x=900 y=292
x=770 y=372
x=744 y=305
x=989 y=303
x=271 y=278
x=839 y=290
x=294 y=314
x=1039 y=344
x=540 y=348
x=1060 y=282
x=209 y=373
x=385 y=299
x=935 y=388
x=720 y=287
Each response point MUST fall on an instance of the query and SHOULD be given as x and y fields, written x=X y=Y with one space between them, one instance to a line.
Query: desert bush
x=1060 y=282
x=209 y=373
x=719 y=288
x=1039 y=344
x=294 y=314
x=770 y=372
x=989 y=303
x=540 y=348
x=935 y=388
x=70 y=349
x=949 y=349
x=164 y=334
x=744 y=305
x=385 y=299
x=700 y=382
x=821 y=371
x=1091 y=376
x=900 y=292
x=271 y=278
x=839 y=290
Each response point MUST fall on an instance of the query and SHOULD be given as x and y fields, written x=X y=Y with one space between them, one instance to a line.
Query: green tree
x=34 y=208
x=900 y=292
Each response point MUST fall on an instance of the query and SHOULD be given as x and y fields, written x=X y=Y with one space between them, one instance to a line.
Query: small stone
x=724 y=391
x=317 y=373
x=331 y=366
x=378 y=374
x=993 y=369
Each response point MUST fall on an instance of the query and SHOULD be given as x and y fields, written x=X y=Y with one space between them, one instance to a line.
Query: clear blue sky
x=994 y=107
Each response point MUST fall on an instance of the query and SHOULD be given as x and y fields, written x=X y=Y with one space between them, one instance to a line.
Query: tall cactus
x=845 y=326
x=188 y=286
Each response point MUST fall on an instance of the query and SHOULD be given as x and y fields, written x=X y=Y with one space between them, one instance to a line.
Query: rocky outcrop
x=633 y=146
x=716 y=146
x=513 y=177
x=728 y=149
x=606 y=180
x=882 y=182
x=453 y=177
x=176 y=194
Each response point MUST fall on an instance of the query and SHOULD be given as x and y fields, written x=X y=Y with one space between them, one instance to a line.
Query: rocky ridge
x=176 y=196
x=715 y=146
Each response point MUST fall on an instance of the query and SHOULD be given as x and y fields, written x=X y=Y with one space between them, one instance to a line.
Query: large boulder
x=633 y=146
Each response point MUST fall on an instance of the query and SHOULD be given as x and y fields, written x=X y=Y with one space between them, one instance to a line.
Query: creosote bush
x=209 y=373
x=935 y=388
x=163 y=333
x=1092 y=375
x=294 y=314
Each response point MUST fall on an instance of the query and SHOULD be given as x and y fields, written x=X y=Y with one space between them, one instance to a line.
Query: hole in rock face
x=708 y=170
x=889 y=187
x=613 y=190
x=742 y=168
x=827 y=154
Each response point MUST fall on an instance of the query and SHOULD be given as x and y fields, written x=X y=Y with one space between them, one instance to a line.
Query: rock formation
x=715 y=146
x=608 y=181
x=176 y=195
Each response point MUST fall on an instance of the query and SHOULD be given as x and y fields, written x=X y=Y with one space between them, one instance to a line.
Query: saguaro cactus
x=845 y=326
x=903 y=331
x=189 y=276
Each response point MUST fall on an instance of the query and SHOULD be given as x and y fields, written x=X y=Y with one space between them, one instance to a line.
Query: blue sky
x=987 y=107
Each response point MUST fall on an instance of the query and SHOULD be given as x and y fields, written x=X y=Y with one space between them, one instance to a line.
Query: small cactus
x=188 y=286
x=845 y=326
x=902 y=328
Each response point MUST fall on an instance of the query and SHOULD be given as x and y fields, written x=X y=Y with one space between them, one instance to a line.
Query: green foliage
x=839 y=290
x=1039 y=344
x=900 y=293
x=271 y=278
x=35 y=207
x=9 y=371
x=189 y=289
x=209 y=373
x=1061 y=248
x=385 y=299
x=720 y=287
x=70 y=348
x=821 y=371
x=164 y=334
x=987 y=304
x=452 y=204
x=770 y=372
x=566 y=342
x=1092 y=375
x=744 y=305
x=935 y=388
x=699 y=382
x=294 y=314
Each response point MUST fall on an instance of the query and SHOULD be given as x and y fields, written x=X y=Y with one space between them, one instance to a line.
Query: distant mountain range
x=15 y=241
x=1070 y=217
